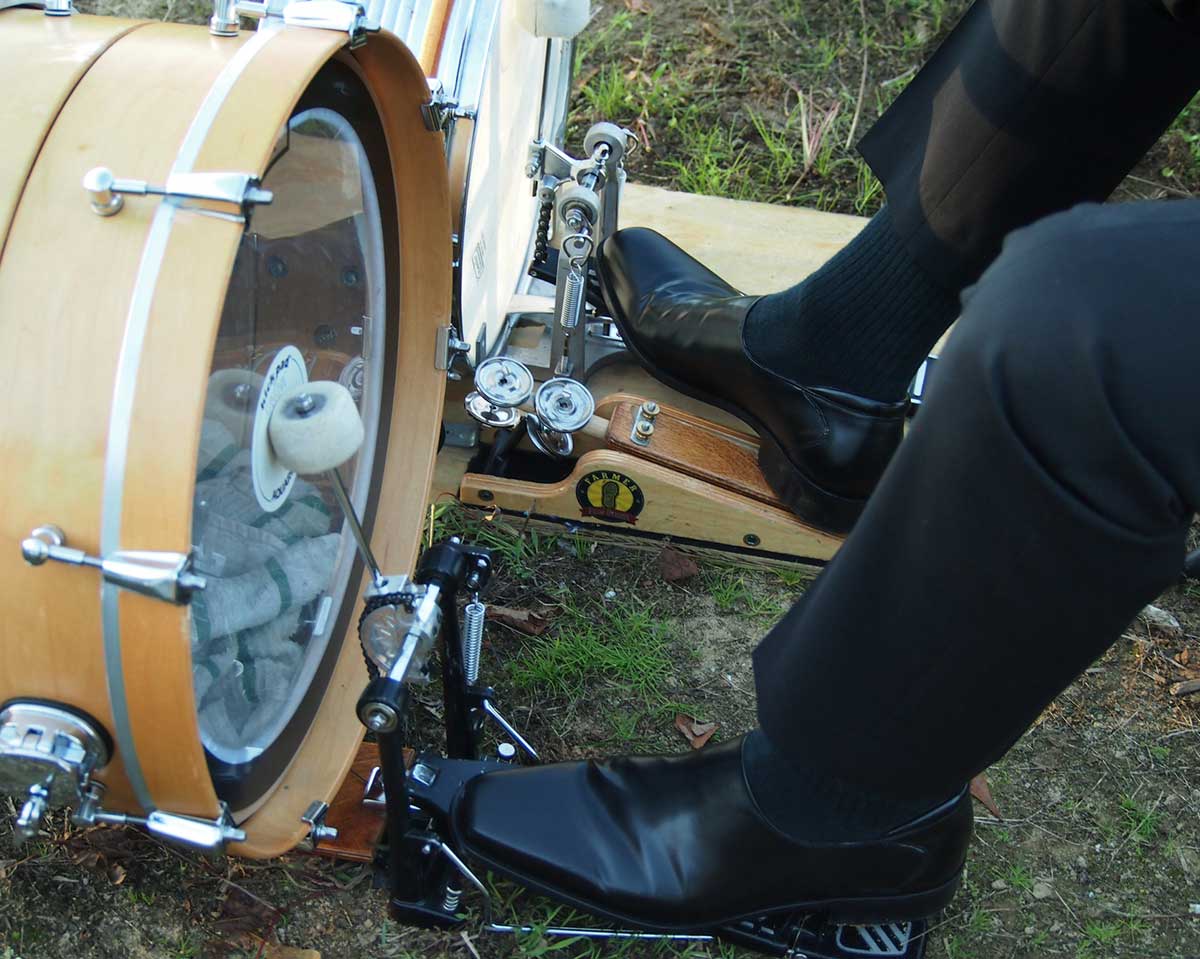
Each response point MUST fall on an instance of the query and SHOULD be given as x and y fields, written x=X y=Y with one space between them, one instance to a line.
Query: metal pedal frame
x=427 y=876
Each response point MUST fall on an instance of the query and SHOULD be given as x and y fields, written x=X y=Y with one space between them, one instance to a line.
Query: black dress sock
x=817 y=807
x=861 y=324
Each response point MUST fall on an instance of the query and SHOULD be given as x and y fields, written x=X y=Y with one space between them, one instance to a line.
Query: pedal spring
x=574 y=293
x=451 y=900
x=541 y=244
x=474 y=616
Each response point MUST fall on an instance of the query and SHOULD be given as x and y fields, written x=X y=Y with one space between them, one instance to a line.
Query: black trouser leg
x=1042 y=497
x=1027 y=109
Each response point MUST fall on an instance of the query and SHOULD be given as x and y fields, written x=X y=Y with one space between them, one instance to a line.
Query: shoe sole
x=839 y=910
x=814 y=504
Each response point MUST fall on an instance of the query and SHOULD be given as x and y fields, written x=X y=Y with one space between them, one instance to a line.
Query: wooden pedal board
x=693 y=446
x=695 y=483
x=359 y=825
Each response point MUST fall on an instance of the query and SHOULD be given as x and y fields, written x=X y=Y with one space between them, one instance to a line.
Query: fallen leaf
x=694 y=731
x=522 y=620
x=637 y=6
x=983 y=792
x=676 y=567
x=116 y=874
x=1185 y=656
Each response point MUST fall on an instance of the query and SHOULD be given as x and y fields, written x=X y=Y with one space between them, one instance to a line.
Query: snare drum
x=144 y=349
x=509 y=88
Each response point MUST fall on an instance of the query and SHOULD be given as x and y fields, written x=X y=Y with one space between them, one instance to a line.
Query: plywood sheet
x=758 y=247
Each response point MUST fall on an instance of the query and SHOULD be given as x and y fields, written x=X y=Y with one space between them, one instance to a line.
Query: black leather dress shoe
x=822 y=450
x=678 y=843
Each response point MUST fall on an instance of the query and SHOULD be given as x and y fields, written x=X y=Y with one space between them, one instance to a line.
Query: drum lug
x=239 y=191
x=209 y=835
x=160 y=575
x=344 y=16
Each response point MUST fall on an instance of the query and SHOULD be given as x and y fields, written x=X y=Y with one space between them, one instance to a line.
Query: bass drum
x=511 y=88
x=148 y=347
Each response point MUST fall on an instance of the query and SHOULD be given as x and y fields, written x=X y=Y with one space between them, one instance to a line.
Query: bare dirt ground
x=1098 y=851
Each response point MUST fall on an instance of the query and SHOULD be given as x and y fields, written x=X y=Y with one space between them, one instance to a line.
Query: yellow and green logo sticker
x=609 y=496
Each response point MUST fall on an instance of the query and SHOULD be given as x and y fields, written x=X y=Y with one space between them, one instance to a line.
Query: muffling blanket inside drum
x=265 y=570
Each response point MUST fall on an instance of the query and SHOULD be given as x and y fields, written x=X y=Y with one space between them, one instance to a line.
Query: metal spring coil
x=573 y=293
x=472 y=639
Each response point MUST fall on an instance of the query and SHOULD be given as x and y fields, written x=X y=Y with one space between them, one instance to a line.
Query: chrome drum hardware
x=165 y=576
x=564 y=405
x=504 y=382
x=47 y=753
x=501 y=386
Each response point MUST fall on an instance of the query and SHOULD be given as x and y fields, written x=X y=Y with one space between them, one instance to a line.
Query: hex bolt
x=645 y=429
x=650 y=409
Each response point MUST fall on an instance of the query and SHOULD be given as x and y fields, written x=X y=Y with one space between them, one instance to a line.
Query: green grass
x=618 y=645
x=1142 y=824
x=1019 y=877
x=514 y=548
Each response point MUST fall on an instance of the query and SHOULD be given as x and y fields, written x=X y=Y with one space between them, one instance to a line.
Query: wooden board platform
x=758 y=247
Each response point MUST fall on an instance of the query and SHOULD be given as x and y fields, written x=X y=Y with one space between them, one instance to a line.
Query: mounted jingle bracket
x=48 y=753
x=236 y=191
x=562 y=406
x=160 y=575
x=489 y=414
x=501 y=386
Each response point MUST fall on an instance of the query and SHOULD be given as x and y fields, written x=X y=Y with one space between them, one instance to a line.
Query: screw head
x=751 y=539
x=650 y=409
x=645 y=428
x=303 y=404
x=380 y=718
x=486 y=495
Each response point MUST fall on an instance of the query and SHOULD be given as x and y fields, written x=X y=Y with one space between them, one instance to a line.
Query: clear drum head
x=308 y=298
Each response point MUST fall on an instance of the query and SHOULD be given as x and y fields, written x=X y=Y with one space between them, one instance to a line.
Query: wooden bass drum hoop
x=115 y=321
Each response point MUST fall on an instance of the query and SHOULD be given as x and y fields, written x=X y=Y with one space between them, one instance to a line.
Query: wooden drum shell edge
x=67 y=281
